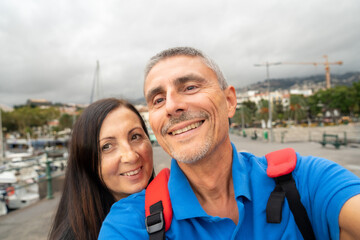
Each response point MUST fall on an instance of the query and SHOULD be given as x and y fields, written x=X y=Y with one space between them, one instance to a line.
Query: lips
x=187 y=128
x=131 y=173
x=184 y=122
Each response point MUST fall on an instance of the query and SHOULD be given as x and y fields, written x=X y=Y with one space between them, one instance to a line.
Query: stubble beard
x=193 y=155
x=187 y=155
x=190 y=157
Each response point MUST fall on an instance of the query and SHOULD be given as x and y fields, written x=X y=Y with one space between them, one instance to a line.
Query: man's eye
x=158 y=100
x=189 y=88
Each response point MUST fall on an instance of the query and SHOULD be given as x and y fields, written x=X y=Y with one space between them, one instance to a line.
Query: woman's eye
x=106 y=147
x=136 y=136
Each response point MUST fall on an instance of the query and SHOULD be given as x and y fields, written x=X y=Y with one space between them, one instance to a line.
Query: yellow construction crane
x=327 y=67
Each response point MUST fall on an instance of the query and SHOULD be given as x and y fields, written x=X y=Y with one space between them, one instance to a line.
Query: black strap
x=274 y=205
x=155 y=224
x=285 y=185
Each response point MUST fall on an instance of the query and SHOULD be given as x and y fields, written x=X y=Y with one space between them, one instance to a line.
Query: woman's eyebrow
x=135 y=128
x=106 y=138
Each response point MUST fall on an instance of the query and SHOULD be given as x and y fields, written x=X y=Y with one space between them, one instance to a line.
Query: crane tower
x=326 y=64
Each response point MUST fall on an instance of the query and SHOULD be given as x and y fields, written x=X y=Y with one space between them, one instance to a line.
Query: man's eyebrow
x=153 y=92
x=188 y=78
x=177 y=82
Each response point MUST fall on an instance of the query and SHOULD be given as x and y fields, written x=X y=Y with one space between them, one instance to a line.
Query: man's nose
x=175 y=104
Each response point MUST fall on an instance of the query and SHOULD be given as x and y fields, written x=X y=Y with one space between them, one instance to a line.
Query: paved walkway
x=30 y=223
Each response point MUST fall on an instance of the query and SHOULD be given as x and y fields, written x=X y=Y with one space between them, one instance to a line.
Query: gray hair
x=187 y=51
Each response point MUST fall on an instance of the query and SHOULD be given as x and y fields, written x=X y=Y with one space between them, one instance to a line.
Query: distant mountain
x=137 y=101
x=315 y=82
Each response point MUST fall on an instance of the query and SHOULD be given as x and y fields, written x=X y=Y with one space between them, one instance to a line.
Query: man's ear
x=231 y=100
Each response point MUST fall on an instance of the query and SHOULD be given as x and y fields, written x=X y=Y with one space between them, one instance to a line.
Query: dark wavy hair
x=86 y=200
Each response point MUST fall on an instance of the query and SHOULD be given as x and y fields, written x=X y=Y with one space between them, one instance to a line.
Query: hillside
x=315 y=82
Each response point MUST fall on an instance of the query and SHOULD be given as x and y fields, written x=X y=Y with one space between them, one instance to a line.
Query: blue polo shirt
x=324 y=187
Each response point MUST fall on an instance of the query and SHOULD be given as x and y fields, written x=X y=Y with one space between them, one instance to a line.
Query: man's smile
x=185 y=122
x=187 y=128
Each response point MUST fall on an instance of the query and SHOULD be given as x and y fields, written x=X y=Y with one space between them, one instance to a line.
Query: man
x=216 y=192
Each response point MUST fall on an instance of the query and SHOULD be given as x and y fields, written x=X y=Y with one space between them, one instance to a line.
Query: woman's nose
x=129 y=156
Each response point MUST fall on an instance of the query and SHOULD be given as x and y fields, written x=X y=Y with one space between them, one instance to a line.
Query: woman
x=110 y=157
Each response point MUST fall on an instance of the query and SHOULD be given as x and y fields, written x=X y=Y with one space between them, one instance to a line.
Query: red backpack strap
x=158 y=205
x=281 y=162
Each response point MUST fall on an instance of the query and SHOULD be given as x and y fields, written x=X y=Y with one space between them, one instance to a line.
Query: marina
x=27 y=163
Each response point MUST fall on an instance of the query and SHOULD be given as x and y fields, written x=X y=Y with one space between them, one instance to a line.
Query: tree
x=8 y=122
x=279 y=111
x=342 y=98
x=356 y=89
x=22 y=119
x=315 y=105
x=66 y=121
x=263 y=110
x=250 y=109
x=297 y=108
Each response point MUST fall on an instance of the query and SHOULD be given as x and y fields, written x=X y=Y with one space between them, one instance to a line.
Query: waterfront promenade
x=33 y=222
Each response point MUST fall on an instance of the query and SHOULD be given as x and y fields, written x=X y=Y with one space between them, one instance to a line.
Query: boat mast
x=96 y=92
x=2 y=151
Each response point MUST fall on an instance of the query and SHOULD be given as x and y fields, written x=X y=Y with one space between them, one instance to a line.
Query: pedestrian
x=110 y=157
x=217 y=192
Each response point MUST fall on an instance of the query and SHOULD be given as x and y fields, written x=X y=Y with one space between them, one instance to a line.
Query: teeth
x=131 y=173
x=187 y=128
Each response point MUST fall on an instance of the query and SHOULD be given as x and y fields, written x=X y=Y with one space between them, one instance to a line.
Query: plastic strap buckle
x=154 y=222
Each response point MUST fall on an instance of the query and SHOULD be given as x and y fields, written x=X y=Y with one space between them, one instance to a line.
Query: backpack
x=281 y=163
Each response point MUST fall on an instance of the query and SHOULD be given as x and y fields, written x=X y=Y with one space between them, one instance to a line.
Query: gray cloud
x=49 y=49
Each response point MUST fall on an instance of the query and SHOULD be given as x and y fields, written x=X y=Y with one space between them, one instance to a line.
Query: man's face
x=188 y=111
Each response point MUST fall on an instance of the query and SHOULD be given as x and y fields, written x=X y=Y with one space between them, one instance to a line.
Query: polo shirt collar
x=240 y=175
x=184 y=202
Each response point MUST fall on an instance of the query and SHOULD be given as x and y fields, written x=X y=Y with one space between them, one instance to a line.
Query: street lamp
x=267 y=65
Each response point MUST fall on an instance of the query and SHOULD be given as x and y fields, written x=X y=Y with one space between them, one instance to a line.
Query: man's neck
x=211 y=181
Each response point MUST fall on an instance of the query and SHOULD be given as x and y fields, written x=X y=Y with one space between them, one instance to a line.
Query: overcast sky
x=49 y=49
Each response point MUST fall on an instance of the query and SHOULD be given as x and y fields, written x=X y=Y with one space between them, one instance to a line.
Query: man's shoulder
x=303 y=163
x=126 y=219
x=251 y=160
x=132 y=200
x=132 y=205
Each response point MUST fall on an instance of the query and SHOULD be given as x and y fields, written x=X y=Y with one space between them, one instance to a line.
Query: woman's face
x=126 y=153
